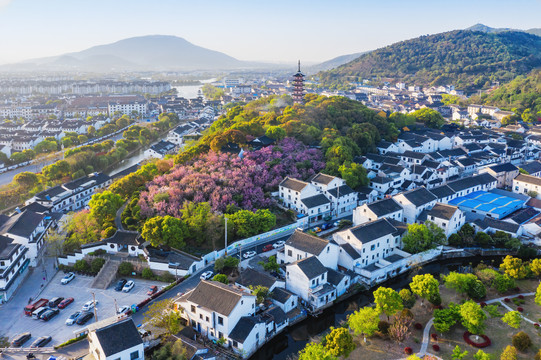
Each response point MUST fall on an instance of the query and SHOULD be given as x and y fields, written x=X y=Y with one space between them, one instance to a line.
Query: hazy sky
x=277 y=30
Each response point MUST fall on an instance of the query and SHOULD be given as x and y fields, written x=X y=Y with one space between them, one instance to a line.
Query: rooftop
x=118 y=337
x=216 y=296
x=384 y=207
x=306 y=242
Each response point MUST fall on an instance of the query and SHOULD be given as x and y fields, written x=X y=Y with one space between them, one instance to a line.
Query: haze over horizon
x=282 y=31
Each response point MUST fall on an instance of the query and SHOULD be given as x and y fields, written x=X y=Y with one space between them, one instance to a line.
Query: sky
x=270 y=31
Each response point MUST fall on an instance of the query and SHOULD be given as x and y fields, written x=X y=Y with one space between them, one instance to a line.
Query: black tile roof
x=118 y=337
x=466 y=161
x=350 y=250
x=414 y=155
x=250 y=277
x=523 y=215
x=507 y=167
x=275 y=314
x=322 y=178
x=443 y=211
x=470 y=182
x=293 y=184
x=243 y=328
x=311 y=267
x=419 y=196
x=7 y=247
x=22 y=224
x=122 y=237
x=334 y=277
x=373 y=230
x=341 y=190
x=216 y=296
x=316 y=200
x=306 y=242
x=384 y=207
x=532 y=167
x=281 y=295
x=497 y=224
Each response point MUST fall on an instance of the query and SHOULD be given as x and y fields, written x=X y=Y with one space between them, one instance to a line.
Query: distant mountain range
x=146 y=53
x=332 y=63
x=467 y=59
x=488 y=29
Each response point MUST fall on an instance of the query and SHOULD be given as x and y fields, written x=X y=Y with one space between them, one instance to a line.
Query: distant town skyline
x=277 y=31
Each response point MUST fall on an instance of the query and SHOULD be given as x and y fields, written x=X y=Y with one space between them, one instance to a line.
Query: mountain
x=488 y=29
x=332 y=63
x=153 y=52
x=467 y=59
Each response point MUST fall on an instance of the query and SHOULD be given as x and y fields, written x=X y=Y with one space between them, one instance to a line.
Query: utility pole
x=95 y=310
x=116 y=307
x=225 y=218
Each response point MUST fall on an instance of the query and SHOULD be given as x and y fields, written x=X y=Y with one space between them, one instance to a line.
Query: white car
x=123 y=310
x=89 y=305
x=66 y=279
x=206 y=275
x=73 y=317
x=249 y=254
x=129 y=285
x=278 y=244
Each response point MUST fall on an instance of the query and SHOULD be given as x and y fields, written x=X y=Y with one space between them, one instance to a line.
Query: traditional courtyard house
x=527 y=184
x=414 y=202
x=301 y=245
x=117 y=341
x=447 y=217
x=504 y=174
x=386 y=208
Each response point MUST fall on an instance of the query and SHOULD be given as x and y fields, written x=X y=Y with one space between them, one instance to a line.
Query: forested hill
x=467 y=59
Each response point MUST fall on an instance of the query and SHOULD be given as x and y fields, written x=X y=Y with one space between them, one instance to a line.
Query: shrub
x=486 y=340
x=434 y=336
x=418 y=326
x=435 y=299
x=408 y=350
x=538 y=355
x=406 y=313
x=147 y=274
x=125 y=268
x=166 y=278
x=81 y=265
x=520 y=309
x=483 y=304
x=521 y=297
x=477 y=290
x=408 y=299
x=506 y=300
x=509 y=353
x=436 y=347
x=96 y=265
x=536 y=325
x=383 y=327
x=521 y=341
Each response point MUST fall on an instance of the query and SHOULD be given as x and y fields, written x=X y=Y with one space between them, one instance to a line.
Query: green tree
x=513 y=267
x=339 y=342
x=444 y=319
x=408 y=299
x=96 y=265
x=513 y=319
x=162 y=315
x=503 y=283
x=104 y=205
x=221 y=278
x=315 y=351
x=364 y=321
x=147 y=274
x=261 y=292
x=387 y=301
x=431 y=118
x=459 y=282
x=248 y=223
x=270 y=264
x=125 y=268
x=354 y=174
x=418 y=238
x=538 y=295
x=424 y=286
x=473 y=317
x=481 y=355
x=275 y=132
x=26 y=180
x=458 y=354
x=166 y=230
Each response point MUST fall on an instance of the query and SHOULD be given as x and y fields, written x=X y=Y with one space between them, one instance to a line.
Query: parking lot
x=13 y=321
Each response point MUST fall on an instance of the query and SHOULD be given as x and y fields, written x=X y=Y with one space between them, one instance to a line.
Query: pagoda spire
x=298 y=86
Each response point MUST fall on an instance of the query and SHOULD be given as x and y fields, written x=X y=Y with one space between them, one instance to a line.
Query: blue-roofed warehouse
x=495 y=205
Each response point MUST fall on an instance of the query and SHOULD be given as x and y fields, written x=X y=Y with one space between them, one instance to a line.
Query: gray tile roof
x=341 y=190
x=118 y=337
x=293 y=184
x=216 y=296
x=311 y=267
x=503 y=167
x=250 y=277
x=373 y=230
x=243 y=328
x=281 y=295
x=529 y=179
x=443 y=211
x=532 y=167
x=469 y=182
x=322 y=178
x=350 y=250
x=315 y=201
x=497 y=225
x=306 y=242
x=384 y=207
x=334 y=277
x=22 y=224
x=442 y=191
x=419 y=196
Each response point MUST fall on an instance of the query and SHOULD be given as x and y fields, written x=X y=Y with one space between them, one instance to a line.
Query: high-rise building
x=298 y=86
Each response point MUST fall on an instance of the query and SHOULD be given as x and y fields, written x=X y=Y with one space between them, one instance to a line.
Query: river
x=287 y=344
x=192 y=91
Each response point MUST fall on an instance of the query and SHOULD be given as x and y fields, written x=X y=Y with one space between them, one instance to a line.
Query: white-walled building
x=523 y=184
x=117 y=341
x=414 y=202
x=13 y=266
x=301 y=245
x=386 y=208
x=448 y=217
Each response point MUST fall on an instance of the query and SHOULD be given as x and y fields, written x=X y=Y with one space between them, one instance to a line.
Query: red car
x=152 y=290
x=268 y=247
x=65 y=303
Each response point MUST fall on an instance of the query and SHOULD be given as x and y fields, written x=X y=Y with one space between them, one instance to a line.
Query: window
x=193 y=309
x=289 y=253
x=134 y=355
x=201 y=316
x=207 y=318
x=242 y=302
x=220 y=322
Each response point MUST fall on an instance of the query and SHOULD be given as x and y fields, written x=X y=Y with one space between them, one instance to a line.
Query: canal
x=290 y=342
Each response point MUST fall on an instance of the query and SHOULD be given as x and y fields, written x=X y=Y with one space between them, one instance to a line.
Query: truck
x=30 y=308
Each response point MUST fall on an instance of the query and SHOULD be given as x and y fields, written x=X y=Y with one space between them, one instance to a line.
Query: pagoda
x=298 y=86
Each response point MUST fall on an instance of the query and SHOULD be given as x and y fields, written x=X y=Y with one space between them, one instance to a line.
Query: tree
x=424 y=286
x=162 y=315
x=538 y=295
x=513 y=267
x=459 y=282
x=261 y=292
x=27 y=180
x=387 y=301
x=509 y=353
x=96 y=265
x=171 y=351
x=400 y=328
x=503 y=282
x=513 y=319
x=248 y=223
x=535 y=267
x=354 y=174
x=104 y=205
x=339 y=342
x=418 y=238
x=458 y=354
x=444 y=319
x=473 y=317
x=364 y=321
x=221 y=278
x=271 y=264
x=481 y=355
x=482 y=238
x=147 y=274
x=467 y=233
x=275 y=132
x=408 y=299
x=125 y=268
x=431 y=118
x=315 y=351
x=166 y=230
x=521 y=341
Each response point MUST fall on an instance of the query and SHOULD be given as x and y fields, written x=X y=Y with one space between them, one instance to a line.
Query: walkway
x=426 y=332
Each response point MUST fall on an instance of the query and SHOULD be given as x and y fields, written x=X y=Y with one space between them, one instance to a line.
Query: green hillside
x=467 y=59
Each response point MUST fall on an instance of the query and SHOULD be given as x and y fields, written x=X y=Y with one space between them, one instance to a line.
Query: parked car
x=30 y=308
x=336 y=223
x=249 y=254
x=65 y=303
x=67 y=278
x=129 y=285
x=48 y=315
x=41 y=342
x=89 y=305
x=55 y=301
x=120 y=284
x=73 y=317
x=83 y=318
x=20 y=339
x=152 y=290
x=317 y=229
x=123 y=310
x=278 y=244
x=37 y=313
x=268 y=247
x=206 y=275
x=326 y=226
